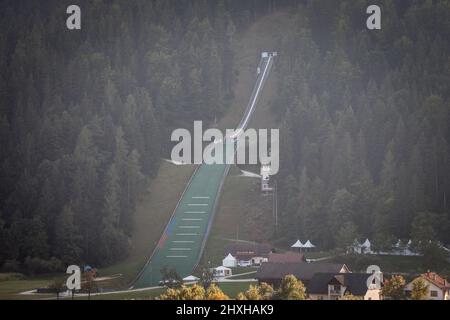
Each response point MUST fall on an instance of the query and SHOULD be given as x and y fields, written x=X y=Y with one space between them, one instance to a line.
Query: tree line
x=86 y=116
x=365 y=124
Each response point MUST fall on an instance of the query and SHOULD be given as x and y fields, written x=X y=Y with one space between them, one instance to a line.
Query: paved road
x=183 y=240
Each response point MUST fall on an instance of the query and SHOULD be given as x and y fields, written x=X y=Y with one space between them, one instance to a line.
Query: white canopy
x=308 y=244
x=297 y=244
x=191 y=278
x=222 y=268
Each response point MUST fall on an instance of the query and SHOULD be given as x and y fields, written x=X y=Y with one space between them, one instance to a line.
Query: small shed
x=229 y=261
x=221 y=272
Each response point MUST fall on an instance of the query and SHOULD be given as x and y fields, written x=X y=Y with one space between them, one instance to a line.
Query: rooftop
x=247 y=249
x=286 y=257
x=436 y=279
x=356 y=283
x=301 y=270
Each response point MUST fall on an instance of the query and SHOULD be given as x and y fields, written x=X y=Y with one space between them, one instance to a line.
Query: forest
x=86 y=116
x=365 y=124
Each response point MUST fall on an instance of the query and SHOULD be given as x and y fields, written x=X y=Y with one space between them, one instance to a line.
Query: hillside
x=155 y=207
x=243 y=212
x=83 y=136
x=86 y=117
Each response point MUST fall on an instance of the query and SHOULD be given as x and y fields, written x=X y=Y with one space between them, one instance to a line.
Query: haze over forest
x=86 y=117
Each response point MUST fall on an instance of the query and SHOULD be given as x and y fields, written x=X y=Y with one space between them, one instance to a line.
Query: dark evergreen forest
x=86 y=116
x=365 y=124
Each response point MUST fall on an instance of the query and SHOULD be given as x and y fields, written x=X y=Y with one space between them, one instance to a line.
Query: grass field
x=229 y=288
x=154 y=210
x=137 y=295
x=10 y=289
x=319 y=254
x=242 y=214
x=245 y=275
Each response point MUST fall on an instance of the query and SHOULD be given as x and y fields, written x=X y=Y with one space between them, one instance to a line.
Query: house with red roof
x=438 y=287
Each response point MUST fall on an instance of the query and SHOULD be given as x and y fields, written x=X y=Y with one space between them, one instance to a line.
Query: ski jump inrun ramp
x=183 y=240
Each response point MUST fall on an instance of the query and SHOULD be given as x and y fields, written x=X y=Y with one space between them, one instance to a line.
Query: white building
x=248 y=254
x=245 y=263
x=256 y=261
x=361 y=248
x=229 y=261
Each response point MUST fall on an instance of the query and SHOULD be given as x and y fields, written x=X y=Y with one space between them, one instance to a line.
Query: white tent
x=191 y=279
x=308 y=245
x=297 y=244
x=229 y=261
